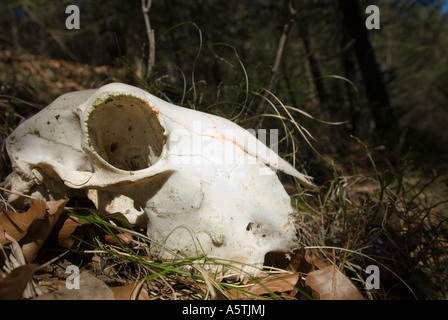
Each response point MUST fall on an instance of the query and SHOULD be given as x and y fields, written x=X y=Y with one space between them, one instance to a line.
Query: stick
x=277 y=62
x=150 y=32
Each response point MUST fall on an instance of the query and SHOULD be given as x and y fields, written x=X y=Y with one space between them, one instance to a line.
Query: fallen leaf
x=127 y=292
x=125 y=238
x=13 y=285
x=314 y=258
x=329 y=283
x=16 y=224
x=90 y=288
x=40 y=228
x=299 y=263
x=271 y=283
x=55 y=208
x=63 y=230
x=275 y=283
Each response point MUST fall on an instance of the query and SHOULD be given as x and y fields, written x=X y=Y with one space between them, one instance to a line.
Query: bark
x=376 y=92
x=313 y=63
x=351 y=100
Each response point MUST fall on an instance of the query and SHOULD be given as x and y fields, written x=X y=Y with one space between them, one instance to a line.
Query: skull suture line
x=200 y=181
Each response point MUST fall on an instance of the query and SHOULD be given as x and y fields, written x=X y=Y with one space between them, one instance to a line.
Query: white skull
x=204 y=184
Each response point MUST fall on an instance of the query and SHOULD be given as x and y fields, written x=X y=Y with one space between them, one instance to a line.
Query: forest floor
x=372 y=208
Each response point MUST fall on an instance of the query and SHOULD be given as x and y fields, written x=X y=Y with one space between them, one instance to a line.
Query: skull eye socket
x=126 y=133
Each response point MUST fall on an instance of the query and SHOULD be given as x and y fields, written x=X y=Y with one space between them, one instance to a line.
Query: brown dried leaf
x=127 y=292
x=315 y=258
x=55 y=207
x=12 y=286
x=125 y=238
x=330 y=283
x=63 y=230
x=16 y=224
x=90 y=288
x=268 y=284
x=275 y=283
x=40 y=228
x=299 y=262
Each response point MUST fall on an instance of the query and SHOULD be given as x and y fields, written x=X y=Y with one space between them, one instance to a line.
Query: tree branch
x=146 y=5
x=277 y=62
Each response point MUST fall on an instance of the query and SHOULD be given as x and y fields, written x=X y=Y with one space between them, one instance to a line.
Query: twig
x=16 y=193
x=146 y=5
x=277 y=62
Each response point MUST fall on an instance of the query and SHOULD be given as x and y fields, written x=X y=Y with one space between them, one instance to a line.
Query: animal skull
x=204 y=184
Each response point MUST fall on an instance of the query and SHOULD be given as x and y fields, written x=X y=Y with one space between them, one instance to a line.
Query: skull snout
x=255 y=229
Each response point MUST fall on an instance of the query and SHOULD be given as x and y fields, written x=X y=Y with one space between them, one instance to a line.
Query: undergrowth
x=390 y=220
x=395 y=220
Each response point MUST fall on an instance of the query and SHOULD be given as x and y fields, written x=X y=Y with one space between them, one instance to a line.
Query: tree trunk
x=351 y=100
x=313 y=63
x=377 y=96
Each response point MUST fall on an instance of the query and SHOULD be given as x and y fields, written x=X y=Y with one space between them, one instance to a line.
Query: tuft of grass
x=210 y=277
x=393 y=219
